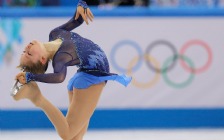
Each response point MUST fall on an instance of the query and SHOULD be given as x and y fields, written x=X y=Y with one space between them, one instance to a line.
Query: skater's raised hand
x=84 y=11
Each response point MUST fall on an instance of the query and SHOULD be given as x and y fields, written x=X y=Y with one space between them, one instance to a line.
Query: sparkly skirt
x=93 y=68
x=83 y=80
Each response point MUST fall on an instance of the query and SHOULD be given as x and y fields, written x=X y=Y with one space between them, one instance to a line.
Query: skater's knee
x=77 y=138
x=64 y=136
x=71 y=136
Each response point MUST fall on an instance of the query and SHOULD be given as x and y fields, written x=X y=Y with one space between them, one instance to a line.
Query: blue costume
x=76 y=50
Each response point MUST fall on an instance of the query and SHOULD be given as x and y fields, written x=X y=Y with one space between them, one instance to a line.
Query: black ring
x=153 y=45
x=85 y=10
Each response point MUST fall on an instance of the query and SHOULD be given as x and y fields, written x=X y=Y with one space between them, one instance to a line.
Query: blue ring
x=120 y=44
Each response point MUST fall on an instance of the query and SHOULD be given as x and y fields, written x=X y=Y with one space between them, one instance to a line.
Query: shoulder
x=54 y=34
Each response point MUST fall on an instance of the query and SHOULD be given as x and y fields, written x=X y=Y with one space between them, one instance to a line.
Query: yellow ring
x=140 y=84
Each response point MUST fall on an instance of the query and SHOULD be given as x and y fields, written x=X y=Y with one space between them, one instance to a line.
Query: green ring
x=171 y=83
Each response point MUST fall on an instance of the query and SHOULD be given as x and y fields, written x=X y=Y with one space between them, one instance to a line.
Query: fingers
x=90 y=15
x=85 y=13
x=22 y=80
x=84 y=17
x=21 y=77
x=77 y=15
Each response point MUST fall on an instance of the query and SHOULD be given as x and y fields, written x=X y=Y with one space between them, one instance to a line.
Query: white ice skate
x=15 y=88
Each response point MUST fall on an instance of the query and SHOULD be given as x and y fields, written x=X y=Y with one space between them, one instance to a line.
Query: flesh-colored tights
x=82 y=103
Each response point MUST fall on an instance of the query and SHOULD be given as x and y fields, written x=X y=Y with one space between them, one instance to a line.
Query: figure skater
x=66 y=48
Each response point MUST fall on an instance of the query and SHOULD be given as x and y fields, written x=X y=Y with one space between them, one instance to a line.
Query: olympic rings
x=150 y=83
x=169 y=63
x=203 y=44
x=178 y=85
x=153 y=45
x=131 y=44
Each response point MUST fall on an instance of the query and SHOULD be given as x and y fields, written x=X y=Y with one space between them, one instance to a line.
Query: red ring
x=207 y=64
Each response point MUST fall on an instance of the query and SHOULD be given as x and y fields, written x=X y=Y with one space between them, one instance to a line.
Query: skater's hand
x=85 y=13
x=21 y=77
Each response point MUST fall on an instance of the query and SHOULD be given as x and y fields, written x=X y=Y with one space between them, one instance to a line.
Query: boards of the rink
x=122 y=119
x=111 y=12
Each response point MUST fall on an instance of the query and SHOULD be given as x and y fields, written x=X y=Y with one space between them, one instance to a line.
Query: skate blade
x=15 y=88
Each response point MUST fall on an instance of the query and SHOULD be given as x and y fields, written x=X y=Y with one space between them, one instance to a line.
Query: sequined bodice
x=73 y=48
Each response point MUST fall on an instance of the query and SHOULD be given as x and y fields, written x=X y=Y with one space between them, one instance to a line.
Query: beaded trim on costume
x=83 y=4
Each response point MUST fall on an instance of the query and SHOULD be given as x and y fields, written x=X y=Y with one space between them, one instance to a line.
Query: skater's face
x=32 y=53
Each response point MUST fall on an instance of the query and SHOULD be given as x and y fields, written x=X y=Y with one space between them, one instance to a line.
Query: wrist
x=83 y=4
x=29 y=77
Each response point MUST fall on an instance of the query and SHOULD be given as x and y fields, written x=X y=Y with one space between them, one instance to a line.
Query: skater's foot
x=29 y=91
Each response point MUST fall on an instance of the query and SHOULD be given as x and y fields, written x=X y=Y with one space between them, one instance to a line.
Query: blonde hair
x=37 y=68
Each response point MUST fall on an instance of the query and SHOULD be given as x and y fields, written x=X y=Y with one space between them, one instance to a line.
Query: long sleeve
x=64 y=56
x=60 y=63
x=70 y=25
x=47 y=78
